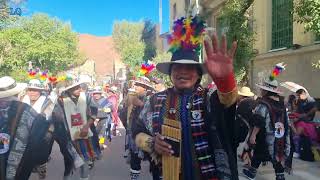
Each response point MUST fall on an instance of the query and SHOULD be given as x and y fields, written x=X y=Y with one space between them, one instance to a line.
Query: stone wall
x=299 y=67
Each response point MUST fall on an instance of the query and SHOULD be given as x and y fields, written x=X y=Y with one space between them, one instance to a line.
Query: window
x=318 y=38
x=174 y=11
x=282 y=26
x=187 y=4
x=222 y=27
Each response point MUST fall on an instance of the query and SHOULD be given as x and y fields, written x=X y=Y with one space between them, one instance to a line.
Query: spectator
x=306 y=108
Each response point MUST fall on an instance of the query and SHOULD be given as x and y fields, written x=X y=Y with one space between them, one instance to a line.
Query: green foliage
x=316 y=64
x=149 y=38
x=307 y=12
x=128 y=41
x=237 y=23
x=47 y=42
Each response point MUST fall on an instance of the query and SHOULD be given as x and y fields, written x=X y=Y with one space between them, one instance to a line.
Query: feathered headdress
x=146 y=68
x=278 y=69
x=44 y=76
x=37 y=74
x=54 y=79
x=188 y=34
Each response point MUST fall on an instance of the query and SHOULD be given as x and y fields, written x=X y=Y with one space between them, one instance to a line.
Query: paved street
x=114 y=167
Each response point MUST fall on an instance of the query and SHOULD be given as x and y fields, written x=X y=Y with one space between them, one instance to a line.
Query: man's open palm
x=219 y=62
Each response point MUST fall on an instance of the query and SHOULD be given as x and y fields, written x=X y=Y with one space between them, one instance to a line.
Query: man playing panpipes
x=186 y=129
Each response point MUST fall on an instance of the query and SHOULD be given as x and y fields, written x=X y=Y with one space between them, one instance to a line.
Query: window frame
x=282 y=24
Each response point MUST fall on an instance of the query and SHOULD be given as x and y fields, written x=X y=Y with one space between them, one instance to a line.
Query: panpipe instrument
x=171 y=165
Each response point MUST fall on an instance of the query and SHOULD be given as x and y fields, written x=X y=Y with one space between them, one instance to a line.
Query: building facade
x=277 y=39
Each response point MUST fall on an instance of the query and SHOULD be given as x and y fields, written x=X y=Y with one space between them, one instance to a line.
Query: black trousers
x=277 y=166
x=135 y=161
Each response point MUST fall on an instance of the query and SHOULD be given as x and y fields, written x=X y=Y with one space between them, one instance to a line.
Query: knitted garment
x=191 y=110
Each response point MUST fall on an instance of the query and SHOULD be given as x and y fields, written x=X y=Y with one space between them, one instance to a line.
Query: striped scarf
x=196 y=105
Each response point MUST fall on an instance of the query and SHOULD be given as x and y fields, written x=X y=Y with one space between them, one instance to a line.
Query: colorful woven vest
x=280 y=127
x=167 y=105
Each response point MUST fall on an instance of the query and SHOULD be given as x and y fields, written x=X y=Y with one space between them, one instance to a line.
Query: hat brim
x=143 y=84
x=269 y=89
x=164 y=67
x=97 y=92
x=248 y=94
x=131 y=90
x=72 y=86
x=34 y=87
x=14 y=91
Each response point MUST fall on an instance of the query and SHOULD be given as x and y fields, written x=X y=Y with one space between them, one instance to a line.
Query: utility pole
x=160 y=16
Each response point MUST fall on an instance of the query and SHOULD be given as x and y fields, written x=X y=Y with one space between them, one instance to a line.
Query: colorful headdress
x=185 y=44
x=44 y=76
x=37 y=74
x=146 y=68
x=271 y=84
x=188 y=34
x=278 y=69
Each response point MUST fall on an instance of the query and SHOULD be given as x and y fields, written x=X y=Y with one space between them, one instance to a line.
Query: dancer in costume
x=128 y=91
x=271 y=132
x=80 y=112
x=125 y=109
x=36 y=98
x=141 y=85
x=24 y=134
x=244 y=118
x=186 y=129
x=113 y=98
x=104 y=116
x=47 y=106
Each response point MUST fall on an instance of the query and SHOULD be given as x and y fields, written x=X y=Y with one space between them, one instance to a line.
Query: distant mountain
x=102 y=51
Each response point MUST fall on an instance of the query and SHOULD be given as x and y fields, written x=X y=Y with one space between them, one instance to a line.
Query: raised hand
x=219 y=62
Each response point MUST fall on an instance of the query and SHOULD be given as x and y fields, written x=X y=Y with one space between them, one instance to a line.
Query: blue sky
x=97 y=16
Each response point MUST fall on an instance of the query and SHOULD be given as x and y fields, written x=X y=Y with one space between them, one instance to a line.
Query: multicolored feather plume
x=278 y=69
x=146 y=68
x=188 y=34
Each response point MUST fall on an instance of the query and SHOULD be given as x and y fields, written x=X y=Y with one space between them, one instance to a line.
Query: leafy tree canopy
x=127 y=37
x=307 y=12
x=46 y=42
x=236 y=22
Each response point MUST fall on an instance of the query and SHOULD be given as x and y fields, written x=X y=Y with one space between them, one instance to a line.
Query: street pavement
x=114 y=167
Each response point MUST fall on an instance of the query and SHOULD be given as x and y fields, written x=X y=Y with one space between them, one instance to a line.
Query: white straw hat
x=97 y=89
x=35 y=84
x=143 y=81
x=271 y=86
x=245 y=91
x=9 y=87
